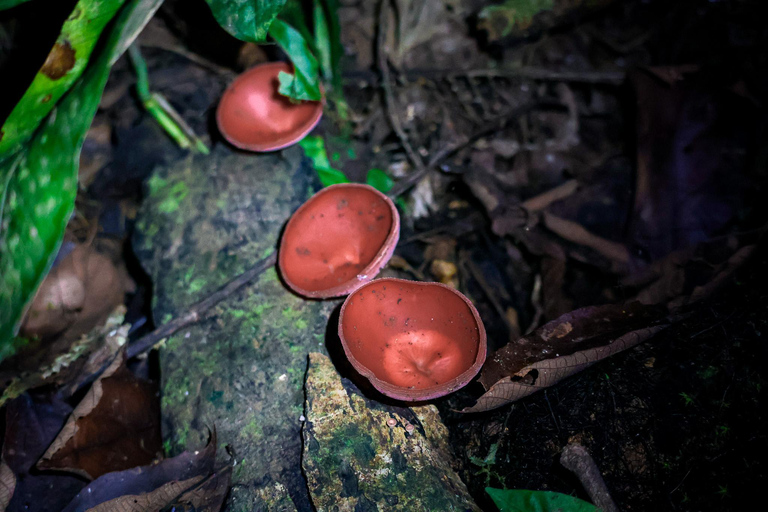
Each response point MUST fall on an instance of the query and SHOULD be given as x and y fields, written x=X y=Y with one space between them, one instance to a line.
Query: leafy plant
x=316 y=52
x=159 y=108
x=304 y=84
x=38 y=170
x=40 y=141
x=314 y=149
x=247 y=20
x=521 y=500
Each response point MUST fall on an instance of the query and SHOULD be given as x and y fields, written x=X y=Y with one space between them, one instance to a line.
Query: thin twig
x=389 y=97
x=527 y=73
x=199 y=310
x=491 y=125
x=578 y=460
x=552 y=195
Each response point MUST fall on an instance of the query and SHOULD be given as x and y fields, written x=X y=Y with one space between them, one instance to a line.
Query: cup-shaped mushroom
x=252 y=115
x=413 y=341
x=338 y=240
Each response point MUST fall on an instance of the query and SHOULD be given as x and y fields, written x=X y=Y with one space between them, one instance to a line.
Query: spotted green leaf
x=40 y=181
x=304 y=84
x=247 y=20
x=64 y=64
x=521 y=500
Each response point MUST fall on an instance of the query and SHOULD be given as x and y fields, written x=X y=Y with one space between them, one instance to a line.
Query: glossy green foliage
x=322 y=41
x=40 y=180
x=521 y=500
x=379 y=180
x=304 y=84
x=7 y=4
x=247 y=20
x=64 y=64
x=314 y=149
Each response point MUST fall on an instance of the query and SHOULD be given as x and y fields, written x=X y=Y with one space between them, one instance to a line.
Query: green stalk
x=159 y=108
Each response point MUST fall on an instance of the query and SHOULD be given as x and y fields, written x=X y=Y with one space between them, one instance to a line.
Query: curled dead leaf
x=546 y=373
x=77 y=295
x=147 y=488
x=7 y=485
x=115 y=426
x=563 y=347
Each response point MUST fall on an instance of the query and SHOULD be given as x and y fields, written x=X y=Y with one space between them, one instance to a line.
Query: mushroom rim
x=432 y=392
x=269 y=148
x=378 y=262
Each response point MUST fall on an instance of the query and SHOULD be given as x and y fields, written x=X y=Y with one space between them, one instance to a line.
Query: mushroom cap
x=252 y=115
x=413 y=341
x=338 y=240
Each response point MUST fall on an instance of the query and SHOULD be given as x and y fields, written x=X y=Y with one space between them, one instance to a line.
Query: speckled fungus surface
x=413 y=341
x=252 y=115
x=338 y=240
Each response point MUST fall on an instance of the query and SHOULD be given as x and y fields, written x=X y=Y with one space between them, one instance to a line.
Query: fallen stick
x=577 y=459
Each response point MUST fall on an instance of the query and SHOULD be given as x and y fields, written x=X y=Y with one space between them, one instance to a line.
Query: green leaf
x=379 y=180
x=41 y=181
x=314 y=149
x=323 y=41
x=247 y=20
x=7 y=4
x=304 y=83
x=293 y=15
x=330 y=176
x=64 y=64
x=334 y=36
x=520 y=500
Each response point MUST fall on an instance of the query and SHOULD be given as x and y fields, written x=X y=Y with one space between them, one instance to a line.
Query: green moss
x=215 y=397
x=196 y=285
x=173 y=200
x=300 y=324
x=253 y=429
x=290 y=314
x=152 y=230
x=259 y=310
x=156 y=183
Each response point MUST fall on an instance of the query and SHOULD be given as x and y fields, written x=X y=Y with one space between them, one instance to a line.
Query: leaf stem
x=159 y=108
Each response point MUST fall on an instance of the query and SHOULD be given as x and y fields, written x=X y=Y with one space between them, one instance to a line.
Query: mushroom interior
x=253 y=115
x=334 y=236
x=411 y=335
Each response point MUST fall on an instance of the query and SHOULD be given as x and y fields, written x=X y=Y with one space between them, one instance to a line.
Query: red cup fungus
x=252 y=115
x=413 y=341
x=338 y=240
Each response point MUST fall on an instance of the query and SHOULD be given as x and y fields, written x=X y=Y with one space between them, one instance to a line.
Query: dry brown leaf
x=147 y=502
x=116 y=426
x=549 y=372
x=7 y=485
x=208 y=495
x=72 y=363
x=31 y=423
x=562 y=348
x=77 y=295
x=148 y=488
